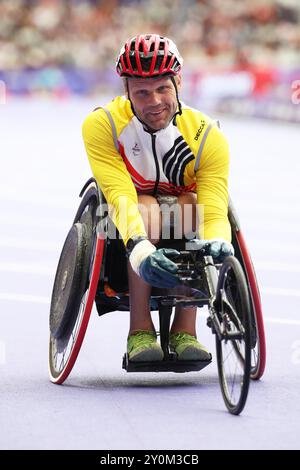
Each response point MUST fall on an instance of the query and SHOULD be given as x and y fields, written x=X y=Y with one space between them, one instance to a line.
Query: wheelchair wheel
x=233 y=347
x=258 y=341
x=74 y=288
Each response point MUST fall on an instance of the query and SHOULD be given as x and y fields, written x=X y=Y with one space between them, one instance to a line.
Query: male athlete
x=149 y=143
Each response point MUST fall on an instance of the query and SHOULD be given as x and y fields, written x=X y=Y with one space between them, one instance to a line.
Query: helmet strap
x=178 y=102
x=128 y=95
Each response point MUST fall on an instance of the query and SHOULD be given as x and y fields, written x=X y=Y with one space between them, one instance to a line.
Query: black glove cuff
x=132 y=242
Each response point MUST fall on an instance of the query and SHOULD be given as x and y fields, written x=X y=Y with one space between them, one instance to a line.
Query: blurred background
x=241 y=57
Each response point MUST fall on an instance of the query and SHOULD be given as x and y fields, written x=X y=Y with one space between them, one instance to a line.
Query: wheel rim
x=258 y=352
x=255 y=351
x=60 y=352
x=234 y=354
x=62 y=357
x=63 y=352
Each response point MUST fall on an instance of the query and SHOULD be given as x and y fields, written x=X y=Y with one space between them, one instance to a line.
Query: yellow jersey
x=191 y=154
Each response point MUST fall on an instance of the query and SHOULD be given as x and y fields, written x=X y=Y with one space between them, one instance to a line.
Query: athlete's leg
x=140 y=291
x=185 y=318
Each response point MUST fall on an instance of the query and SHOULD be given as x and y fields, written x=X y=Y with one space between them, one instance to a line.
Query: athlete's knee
x=150 y=212
x=188 y=212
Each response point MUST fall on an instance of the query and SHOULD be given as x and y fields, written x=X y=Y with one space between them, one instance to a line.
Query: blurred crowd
x=87 y=34
x=240 y=56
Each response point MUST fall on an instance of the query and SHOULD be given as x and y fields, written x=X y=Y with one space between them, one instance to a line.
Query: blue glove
x=217 y=248
x=158 y=270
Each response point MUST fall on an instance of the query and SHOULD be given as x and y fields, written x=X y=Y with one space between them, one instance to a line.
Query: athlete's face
x=154 y=100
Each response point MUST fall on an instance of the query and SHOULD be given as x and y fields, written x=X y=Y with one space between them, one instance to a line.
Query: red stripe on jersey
x=129 y=167
x=145 y=186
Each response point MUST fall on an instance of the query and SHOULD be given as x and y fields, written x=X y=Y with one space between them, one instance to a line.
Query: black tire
x=233 y=353
x=72 y=283
x=87 y=215
x=89 y=202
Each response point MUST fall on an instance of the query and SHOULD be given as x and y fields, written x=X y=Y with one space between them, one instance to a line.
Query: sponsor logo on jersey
x=200 y=130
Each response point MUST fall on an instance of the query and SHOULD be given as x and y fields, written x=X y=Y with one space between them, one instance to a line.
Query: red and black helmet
x=149 y=55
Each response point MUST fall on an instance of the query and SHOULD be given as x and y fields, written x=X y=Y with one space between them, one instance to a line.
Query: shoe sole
x=150 y=355
x=194 y=354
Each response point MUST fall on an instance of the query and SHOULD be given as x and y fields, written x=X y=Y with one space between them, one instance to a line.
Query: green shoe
x=188 y=348
x=142 y=346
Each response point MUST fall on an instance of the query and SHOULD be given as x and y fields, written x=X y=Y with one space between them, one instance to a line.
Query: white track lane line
x=49 y=271
x=32 y=245
x=267 y=245
x=282 y=321
x=277 y=267
x=280 y=291
x=61 y=222
x=28 y=269
x=50 y=246
x=25 y=298
x=46 y=300
x=23 y=196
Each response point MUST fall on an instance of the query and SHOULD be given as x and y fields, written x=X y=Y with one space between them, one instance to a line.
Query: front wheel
x=233 y=345
x=74 y=288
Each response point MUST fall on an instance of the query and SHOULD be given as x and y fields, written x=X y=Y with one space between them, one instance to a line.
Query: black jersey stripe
x=172 y=158
x=172 y=149
x=180 y=176
x=177 y=162
x=176 y=159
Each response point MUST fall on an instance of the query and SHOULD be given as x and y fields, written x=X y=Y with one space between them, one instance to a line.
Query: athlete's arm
x=112 y=176
x=212 y=186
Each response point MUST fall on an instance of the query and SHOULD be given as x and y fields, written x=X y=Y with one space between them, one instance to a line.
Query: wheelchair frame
x=100 y=251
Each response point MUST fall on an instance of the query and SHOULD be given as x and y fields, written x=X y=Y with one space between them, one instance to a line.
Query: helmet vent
x=149 y=55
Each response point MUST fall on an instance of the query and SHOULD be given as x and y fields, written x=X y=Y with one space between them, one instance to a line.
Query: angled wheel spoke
x=232 y=313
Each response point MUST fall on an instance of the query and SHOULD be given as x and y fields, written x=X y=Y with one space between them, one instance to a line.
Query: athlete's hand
x=218 y=248
x=158 y=270
x=155 y=266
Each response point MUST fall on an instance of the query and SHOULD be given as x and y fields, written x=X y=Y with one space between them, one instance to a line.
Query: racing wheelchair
x=87 y=273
